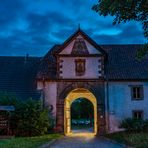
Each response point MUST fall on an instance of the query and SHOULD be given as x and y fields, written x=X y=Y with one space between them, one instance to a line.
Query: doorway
x=82 y=116
x=80 y=97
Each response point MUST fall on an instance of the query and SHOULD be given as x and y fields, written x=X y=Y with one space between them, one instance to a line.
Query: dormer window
x=80 y=67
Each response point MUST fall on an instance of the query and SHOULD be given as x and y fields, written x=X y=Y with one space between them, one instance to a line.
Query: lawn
x=137 y=140
x=27 y=142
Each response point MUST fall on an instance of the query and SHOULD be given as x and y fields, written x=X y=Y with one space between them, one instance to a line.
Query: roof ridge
x=1 y=56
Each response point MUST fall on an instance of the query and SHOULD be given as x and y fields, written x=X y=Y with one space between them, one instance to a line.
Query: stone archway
x=96 y=88
x=73 y=95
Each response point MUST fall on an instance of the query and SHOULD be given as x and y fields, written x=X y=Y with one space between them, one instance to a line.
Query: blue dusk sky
x=34 y=26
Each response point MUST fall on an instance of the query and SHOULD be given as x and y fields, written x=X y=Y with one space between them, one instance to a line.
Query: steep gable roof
x=121 y=64
x=85 y=36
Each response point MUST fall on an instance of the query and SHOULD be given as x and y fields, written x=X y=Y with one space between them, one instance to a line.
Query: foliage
x=27 y=142
x=142 y=51
x=8 y=99
x=136 y=125
x=136 y=140
x=29 y=117
x=125 y=11
x=82 y=109
x=145 y=125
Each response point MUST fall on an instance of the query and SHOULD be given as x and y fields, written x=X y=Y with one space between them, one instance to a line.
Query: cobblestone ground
x=84 y=141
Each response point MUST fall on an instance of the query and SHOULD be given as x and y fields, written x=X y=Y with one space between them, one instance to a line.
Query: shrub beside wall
x=135 y=125
x=29 y=117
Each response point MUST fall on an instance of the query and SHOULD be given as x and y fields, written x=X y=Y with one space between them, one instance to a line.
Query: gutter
x=107 y=94
x=107 y=103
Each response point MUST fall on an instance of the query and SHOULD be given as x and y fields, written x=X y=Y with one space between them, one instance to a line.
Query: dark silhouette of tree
x=124 y=11
x=82 y=109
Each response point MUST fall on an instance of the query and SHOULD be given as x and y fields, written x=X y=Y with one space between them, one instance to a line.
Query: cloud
x=131 y=33
x=44 y=29
x=39 y=35
x=35 y=26
x=10 y=11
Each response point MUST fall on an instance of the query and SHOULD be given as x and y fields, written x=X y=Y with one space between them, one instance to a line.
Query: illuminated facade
x=109 y=76
x=81 y=68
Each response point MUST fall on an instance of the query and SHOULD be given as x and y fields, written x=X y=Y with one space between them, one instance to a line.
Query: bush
x=131 y=124
x=146 y=125
x=8 y=99
x=29 y=117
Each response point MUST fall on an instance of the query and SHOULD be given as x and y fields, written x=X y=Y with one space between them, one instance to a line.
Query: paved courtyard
x=84 y=141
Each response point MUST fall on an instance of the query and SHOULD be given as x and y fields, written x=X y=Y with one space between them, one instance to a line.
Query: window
x=80 y=67
x=137 y=92
x=138 y=114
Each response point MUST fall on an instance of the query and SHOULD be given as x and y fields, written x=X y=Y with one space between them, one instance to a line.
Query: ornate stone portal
x=107 y=72
x=68 y=92
x=72 y=70
x=73 y=95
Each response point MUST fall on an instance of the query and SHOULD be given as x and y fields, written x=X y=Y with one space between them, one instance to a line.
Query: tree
x=82 y=109
x=124 y=11
x=29 y=117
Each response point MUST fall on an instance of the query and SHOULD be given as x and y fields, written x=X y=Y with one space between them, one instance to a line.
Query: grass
x=27 y=142
x=137 y=140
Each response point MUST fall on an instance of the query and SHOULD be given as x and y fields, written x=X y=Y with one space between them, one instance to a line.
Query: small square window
x=137 y=92
x=80 y=67
x=138 y=114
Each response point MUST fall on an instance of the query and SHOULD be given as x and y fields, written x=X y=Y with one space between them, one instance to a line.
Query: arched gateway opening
x=71 y=97
x=82 y=116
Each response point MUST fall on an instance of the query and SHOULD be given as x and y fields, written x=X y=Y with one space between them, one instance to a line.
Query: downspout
x=107 y=103
x=107 y=95
x=43 y=91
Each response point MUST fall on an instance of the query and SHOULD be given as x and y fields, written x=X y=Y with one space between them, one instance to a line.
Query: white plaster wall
x=91 y=68
x=50 y=92
x=39 y=85
x=91 y=49
x=68 y=49
x=121 y=104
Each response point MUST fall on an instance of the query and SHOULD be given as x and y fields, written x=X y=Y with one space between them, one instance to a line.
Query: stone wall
x=95 y=87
